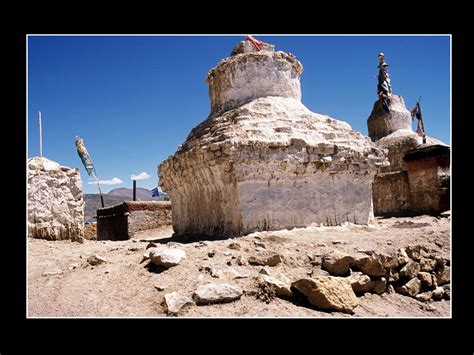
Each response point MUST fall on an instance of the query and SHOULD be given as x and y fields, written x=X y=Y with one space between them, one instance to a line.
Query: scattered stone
x=151 y=245
x=227 y=253
x=439 y=243
x=392 y=275
x=239 y=273
x=96 y=260
x=211 y=253
x=359 y=282
x=201 y=244
x=174 y=302
x=216 y=293
x=328 y=292
x=403 y=257
x=443 y=276
x=427 y=264
x=270 y=259
x=390 y=289
x=229 y=263
x=280 y=287
x=52 y=272
x=389 y=261
x=107 y=272
x=370 y=265
x=410 y=270
x=234 y=246
x=160 y=287
x=414 y=252
x=167 y=257
x=447 y=292
x=411 y=288
x=337 y=263
x=322 y=245
x=259 y=244
x=438 y=293
x=426 y=279
x=338 y=242
x=264 y=271
x=379 y=286
x=423 y=297
x=241 y=260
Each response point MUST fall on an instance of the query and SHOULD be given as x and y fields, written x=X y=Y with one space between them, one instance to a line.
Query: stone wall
x=391 y=194
x=55 y=201
x=428 y=175
x=121 y=222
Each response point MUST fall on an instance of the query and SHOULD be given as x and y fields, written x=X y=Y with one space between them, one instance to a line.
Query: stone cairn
x=262 y=160
x=55 y=201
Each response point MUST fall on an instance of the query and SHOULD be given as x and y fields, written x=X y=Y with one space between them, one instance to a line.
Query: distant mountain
x=115 y=197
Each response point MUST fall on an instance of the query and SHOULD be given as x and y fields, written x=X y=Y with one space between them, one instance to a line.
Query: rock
x=280 y=287
x=234 y=246
x=447 y=292
x=411 y=288
x=414 y=252
x=392 y=276
x=390 y=289
x=370 y=265
x=239 y=273
x=389 y=261
x=423 y=297
x=426 y=279
x=328 y=292
x=96 y=260
x=427 y=264
x=52 y=273
x=150 y=245
x=211 y=253
x=216 y=293
x=403 y=257
x=55 y=201
x=241 y=260
x=174 y=302
x=338 y=242
x=410 y=270
x=337 y=263
x=228 y=253
x=360 y=282
x=233 y=174
x=443 y=276
x=160 y=287
x=259 y=244
x=379 y=286
x=73 y=266
x=264 y=271
x=167 y=257
x=201 y=244
x=437 y=293
x=270 y=259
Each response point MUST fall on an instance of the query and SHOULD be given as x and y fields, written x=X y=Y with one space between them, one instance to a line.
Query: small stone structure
x=398 y=188
x=429 y=177
x=262 y=160
x=55 y=201
x=121 y=222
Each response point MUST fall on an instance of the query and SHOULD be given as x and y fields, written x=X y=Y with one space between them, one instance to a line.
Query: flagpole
x=40 y=136
x=100 y=192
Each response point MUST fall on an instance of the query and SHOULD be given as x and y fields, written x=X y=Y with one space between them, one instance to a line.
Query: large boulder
x=166 y=257
x=216 y=293
x=264 y=161
x=328 y=292
x=55 y=201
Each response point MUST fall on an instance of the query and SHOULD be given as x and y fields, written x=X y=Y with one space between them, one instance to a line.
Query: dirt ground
x=61 y=283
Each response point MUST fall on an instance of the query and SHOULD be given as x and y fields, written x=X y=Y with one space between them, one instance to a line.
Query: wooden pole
x=41 y=136
x=134 y=190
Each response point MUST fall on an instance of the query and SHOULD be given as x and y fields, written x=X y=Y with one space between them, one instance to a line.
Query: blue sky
x=135 y=99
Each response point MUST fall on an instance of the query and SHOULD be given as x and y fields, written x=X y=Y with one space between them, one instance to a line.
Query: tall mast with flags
x=87 y=161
